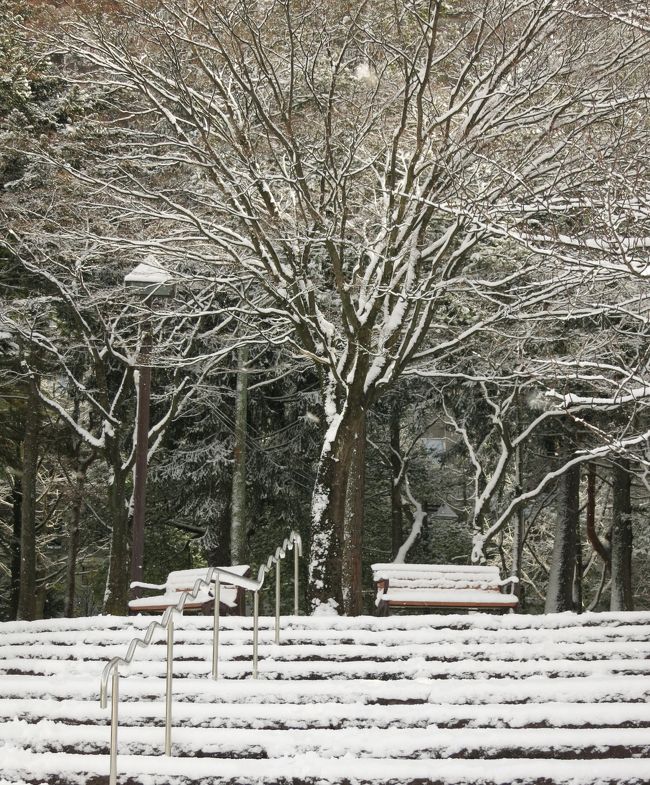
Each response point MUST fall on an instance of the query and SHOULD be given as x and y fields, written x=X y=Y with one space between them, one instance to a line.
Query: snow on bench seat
x=447 y=598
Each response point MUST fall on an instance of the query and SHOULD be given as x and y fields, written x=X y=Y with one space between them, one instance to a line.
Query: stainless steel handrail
x=213 y=575
x=292 y=542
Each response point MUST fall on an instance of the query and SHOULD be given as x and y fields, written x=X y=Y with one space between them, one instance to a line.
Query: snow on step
x=508 y=652
x=314 y=769
x=471 y=699
x=49 y=737
x=633 y=689
x=415 y=668
x=338 y=624
x=273 y=716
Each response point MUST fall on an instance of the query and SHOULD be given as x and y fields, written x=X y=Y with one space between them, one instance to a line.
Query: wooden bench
x=231 y=597
x=441 y=586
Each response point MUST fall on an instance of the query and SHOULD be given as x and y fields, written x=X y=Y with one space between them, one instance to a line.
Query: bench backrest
x=183 y=580
x=437 y=576
x=383 y=570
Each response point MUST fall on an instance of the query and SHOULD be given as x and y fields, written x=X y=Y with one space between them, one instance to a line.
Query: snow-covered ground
x=414 y=699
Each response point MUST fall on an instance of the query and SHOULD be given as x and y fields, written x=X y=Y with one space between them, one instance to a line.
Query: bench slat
x=395 y=569
x=458 y=598
x=182 y=580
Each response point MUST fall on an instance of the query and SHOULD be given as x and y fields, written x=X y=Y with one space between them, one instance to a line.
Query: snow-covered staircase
x=413 y=699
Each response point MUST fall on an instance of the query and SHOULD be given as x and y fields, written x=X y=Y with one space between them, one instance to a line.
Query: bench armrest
x=140 y=585
x=512 y=581
x=382 y=587
x=506 y=581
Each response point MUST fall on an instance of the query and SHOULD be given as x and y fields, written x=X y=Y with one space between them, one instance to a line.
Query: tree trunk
x=27 y=591
x=215 y=543
x=592 y=534
x=353 y=524
x=518 y=531
x=396 y=486
x=621 y=555
x=238 y=540
x=577 y=571
x=559 y=596
x=17 y=503
x=335 y=542
x=73 y=540
x=141 y=466
x=117 y=581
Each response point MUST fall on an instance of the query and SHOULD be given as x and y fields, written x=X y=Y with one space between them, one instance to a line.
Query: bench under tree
x=442 y=586
x=231 y=597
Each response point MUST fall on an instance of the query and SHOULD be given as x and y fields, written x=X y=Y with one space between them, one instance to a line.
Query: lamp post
x=150 y=280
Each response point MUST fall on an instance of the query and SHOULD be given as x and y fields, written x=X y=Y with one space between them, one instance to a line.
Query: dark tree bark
x=141 y=468
x=397 y=510
x=559 y=596
x=577 y=571
x=27 y=607
x=238 y=539
x=74 y=536
x=215 y=543
x=17 y=503
x=353 y=525
x=592 y=535
x=337 y=513
x=518 y=532
x=117 y=581
x=621 y=560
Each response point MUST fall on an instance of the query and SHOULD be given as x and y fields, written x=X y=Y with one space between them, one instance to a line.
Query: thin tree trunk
x=396 y=486
x=238 y=540
x=141 y=466
x=592 y=534
x=215 y=543
x=27 y=591
x=559 y=596
x=73 y=539
x=621 y=560
x=17 y=503
x=577 y=572
x=518 y=533
x=419 y=518
x=117 y=581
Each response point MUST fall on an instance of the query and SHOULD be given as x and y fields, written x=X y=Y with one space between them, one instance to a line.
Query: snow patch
x=328 y=608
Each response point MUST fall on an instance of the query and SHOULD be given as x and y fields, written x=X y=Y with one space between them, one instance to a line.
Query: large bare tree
x=364 y=169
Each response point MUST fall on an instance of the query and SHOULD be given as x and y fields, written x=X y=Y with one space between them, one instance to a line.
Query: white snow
x=160 y=769
x=365 y=699
x=147 y=273
x=449 y=597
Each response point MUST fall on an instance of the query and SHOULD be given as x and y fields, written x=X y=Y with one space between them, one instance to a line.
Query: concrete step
x=285 y=716
x=64 y=769
x=486 y=700
x=409 y=743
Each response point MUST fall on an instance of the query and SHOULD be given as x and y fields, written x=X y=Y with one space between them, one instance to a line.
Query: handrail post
x=295 y=578
x=215 y=628
x=256 y=613
x=112 y=779
x=168 y=695
x=277 y=601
